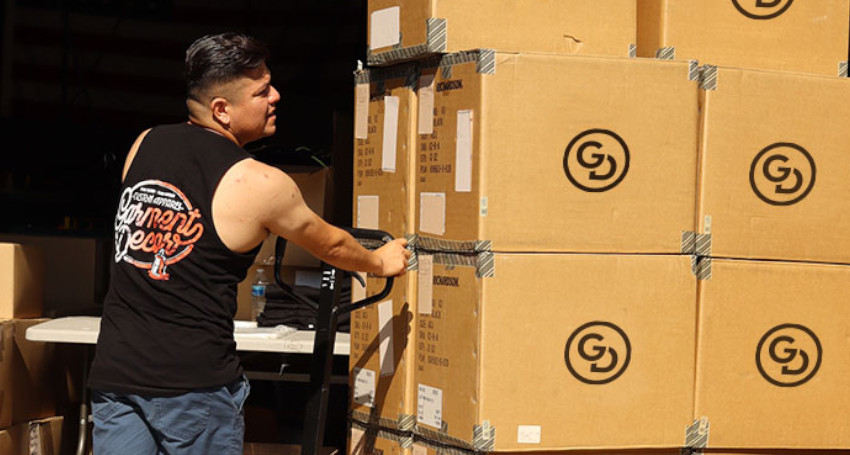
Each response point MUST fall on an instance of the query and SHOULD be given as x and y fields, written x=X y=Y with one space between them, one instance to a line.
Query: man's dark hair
x=217 y=59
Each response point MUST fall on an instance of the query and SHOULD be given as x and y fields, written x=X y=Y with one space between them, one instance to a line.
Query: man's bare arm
x=285 y=213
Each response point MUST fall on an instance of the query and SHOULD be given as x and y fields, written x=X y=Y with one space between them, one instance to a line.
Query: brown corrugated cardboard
x=39 y=437
x=559 y=153
x=381 y=358
x=800 y=36
x=557 y=351
x=385 y=137
x=774 y=339
x=7 y=336
x=424 y=447
x=774 y=163
x=75 y=273
x=35 y=375
x=371 y=440
x=404 y=29
x=21 y=281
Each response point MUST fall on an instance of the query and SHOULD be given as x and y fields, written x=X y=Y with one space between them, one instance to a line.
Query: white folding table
x=84 y=330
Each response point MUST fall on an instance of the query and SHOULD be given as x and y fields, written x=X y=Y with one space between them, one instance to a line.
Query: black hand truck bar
x=329 y=309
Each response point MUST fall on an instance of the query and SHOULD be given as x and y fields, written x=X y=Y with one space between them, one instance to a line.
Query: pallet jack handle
x=329 y=310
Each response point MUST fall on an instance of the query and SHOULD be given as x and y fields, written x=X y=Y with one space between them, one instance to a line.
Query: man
x=193 y=212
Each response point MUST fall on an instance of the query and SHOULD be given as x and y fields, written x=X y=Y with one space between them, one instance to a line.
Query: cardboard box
x=774 y=162
x=371 y=440
x=802 y=36
x=381 y=357
x=42 y=437
x=21 y=281
x=424 y=447
x=384 y=144
x=558 y=153
x=773 y=342
x=404 y=29
x=7 y=337
x=35 y=375
x=75 y=271
x=556 y=351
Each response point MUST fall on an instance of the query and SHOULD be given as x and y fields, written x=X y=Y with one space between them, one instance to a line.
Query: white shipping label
x=364 y=387
x=358 y=291
x=528 y=434
x=367 y=212
x=430 y=406
x=419 y=449
x=426 y=103
x=426 y=283
x=432 y=213
x=385 y=28
x=463 y=153
x=390 y=142
x=361 y=111
x=385 y=348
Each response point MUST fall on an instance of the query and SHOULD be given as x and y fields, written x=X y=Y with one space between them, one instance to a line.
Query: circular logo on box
x=782 y=174
x=788 y=355
x=597 y=352
x=596 y=160
x=762 y=9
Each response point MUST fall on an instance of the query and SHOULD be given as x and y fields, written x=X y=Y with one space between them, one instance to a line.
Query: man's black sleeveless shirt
x=167 y=324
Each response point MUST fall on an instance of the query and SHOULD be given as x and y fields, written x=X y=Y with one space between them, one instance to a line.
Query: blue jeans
x=202 y=422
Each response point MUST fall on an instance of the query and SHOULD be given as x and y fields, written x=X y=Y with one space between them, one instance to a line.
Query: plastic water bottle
x=258 y=294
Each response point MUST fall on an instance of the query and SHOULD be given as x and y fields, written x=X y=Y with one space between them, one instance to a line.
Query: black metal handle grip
x=374 y=238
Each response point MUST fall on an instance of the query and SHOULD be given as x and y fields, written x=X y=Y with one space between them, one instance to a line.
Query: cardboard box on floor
x=771 y=363
x=29 y=381
x=774 y=162
x=558 y=153
x=42 y=437
x=556 y=351
x=424 y=447
x=21 y=281
x=404 y=29
x=803 y=36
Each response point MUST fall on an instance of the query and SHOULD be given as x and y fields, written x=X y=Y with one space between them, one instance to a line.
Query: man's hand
x=394 y=258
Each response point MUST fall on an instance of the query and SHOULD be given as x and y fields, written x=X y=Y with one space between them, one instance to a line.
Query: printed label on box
x=430 y=406
x=386 y=27
x=364 y=387
x=528 y=434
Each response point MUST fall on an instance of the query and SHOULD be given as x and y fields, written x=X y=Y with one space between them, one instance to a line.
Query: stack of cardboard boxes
x=30 y=376
x=624 y=247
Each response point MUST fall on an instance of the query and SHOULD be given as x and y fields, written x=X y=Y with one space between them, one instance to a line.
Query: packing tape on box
x=693 y=70
x=696 y=435
x=484 y=437
x=435 y=41
x=696 y=244
x=843 y=69
x=666 y=53
x=407 y=72
x=404 y=439
x=439 y=448
x=441 y=439
x=708 y=77
x=632 y=51
x=701 y=267
x=455 y=253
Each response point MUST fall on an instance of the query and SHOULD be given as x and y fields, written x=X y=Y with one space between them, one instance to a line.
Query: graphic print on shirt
x=156 y=226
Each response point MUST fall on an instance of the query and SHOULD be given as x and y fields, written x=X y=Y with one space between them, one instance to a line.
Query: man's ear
x=220 y=109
